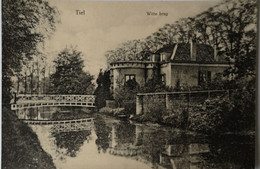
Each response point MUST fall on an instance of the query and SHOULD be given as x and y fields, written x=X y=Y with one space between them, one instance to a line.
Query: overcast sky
x=107 y=24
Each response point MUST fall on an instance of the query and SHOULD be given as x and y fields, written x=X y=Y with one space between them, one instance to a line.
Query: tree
x=69 y=77
x=102 y=91
x=25 y=24
x=134 y=50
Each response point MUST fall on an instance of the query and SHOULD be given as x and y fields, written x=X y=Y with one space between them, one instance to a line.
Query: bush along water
x=224 y=114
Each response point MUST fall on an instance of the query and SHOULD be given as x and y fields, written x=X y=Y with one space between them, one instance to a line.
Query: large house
x=189 y=64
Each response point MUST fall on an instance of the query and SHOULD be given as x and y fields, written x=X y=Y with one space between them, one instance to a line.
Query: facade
x=189 y=64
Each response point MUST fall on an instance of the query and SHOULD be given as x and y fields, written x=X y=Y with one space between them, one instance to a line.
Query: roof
x=204 y=53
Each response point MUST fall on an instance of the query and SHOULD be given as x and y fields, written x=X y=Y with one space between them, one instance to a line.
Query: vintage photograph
x=129 y=84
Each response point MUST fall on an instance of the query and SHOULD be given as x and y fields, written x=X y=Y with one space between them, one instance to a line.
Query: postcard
x=129 y=84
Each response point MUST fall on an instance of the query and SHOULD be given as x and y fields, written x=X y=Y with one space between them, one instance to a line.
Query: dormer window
x=163 y=56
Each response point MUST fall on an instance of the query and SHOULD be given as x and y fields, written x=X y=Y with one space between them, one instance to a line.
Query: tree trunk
x=44 y=84
x=18 y=85
x=25 y=83
x=31 y=83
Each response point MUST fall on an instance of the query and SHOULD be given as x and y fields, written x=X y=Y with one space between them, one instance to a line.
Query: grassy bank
x=20 y=145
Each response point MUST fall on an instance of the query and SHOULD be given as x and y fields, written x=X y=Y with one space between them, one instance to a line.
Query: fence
x=174 y=99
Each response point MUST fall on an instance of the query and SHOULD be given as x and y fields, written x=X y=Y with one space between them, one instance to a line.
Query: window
x=129 y=77
x=204 y=77
x=163 y=78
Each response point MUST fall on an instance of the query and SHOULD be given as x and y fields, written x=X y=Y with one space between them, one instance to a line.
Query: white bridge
x=30 y=101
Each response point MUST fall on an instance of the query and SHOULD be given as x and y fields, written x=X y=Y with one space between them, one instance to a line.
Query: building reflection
x=132 y=141
x=187 y=156
x=125 y=140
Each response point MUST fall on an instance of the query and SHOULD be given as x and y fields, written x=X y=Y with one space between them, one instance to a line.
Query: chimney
x=215 y=53
x=193 y=50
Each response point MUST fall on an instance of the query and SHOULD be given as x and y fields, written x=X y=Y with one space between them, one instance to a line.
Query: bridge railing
x=55 y=98
x=27 y=101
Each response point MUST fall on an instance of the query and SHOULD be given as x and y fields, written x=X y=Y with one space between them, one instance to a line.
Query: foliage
x=228 y=26
x=71 y=141
x=69 y=77
x=125 y=96
x=102 y=91
x=155 y=108
x=130 y=50
x=210 y=117
x=226 y=114
x=244 y=112
x=25 y=25
x=113 y=112
x=21 y=147
x=177 y=114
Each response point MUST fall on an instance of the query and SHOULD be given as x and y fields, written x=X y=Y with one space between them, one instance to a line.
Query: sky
x=105 y=25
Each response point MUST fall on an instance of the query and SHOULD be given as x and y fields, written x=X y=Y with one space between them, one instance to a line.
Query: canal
x=110 y=143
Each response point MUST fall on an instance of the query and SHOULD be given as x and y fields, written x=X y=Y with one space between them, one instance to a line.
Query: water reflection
x=39 y=113
x=71 y=141
x=52 y=113
x=172 y=149
x=103 y=133
x=112 y=143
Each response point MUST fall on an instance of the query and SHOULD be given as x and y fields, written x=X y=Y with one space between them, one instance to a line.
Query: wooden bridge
x=30 y=101
x=65 y=125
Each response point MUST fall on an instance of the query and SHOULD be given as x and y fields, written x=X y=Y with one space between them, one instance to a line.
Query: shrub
x=177 y=118
x=126 y=96
x=113 y=112
x=210 y=117
x=154 y=108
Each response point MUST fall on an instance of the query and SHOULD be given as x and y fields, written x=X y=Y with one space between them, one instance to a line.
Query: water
x=114 y=144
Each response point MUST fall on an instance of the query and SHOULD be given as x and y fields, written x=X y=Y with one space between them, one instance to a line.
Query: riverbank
x=180 y=121
x=21 y=148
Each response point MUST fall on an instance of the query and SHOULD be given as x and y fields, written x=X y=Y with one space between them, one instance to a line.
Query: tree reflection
x=125 y=133
x=71 y=141
x=103 y=133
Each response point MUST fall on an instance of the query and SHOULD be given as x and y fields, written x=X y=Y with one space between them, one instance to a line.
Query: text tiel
x=80 y=12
